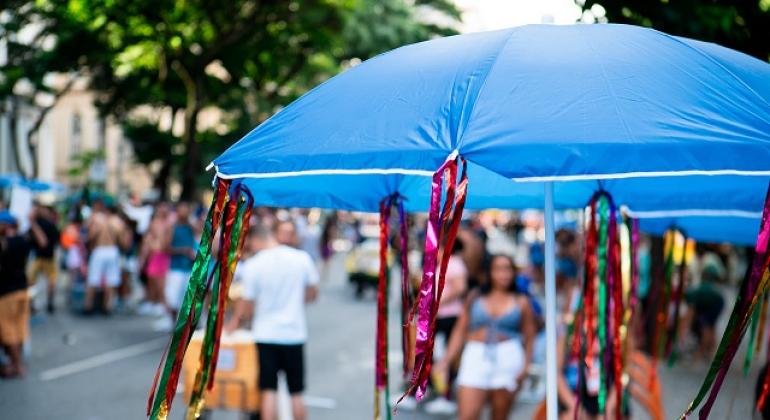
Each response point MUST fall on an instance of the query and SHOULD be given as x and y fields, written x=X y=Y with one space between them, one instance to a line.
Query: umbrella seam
x=483 y=85
x=717 y=63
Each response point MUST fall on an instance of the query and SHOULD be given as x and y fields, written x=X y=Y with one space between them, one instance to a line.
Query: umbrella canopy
x=535 y=103
x=36 y=185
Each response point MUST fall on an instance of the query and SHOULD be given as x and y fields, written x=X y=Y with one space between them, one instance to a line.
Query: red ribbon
x=432 y=282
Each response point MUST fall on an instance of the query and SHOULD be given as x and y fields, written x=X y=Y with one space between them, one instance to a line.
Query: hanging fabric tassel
x=602 y=252
x=601 y=313
x=752 y=337
x=678 y=297
x=235 y=226
x=163 y=390
x=752 y=289
x=762 y=321
x=661 y=324
x=585 y=316
x=381 y=349
x=167 y=376
x=406 y=291
x=762 y=400
x=438 y=231
x=616 y=285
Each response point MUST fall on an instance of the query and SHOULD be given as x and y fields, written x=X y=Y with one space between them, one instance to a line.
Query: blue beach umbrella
x=545 y=116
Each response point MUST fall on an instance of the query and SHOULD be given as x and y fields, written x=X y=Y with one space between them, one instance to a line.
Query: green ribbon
x=193 y=300
x=752 y=338
x=662 y=315
x=602 y=270
x=207 y=349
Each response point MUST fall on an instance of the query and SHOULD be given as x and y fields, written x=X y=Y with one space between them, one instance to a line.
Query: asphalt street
x=101 y=368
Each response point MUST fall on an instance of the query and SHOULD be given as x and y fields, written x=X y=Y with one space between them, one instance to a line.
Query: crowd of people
x=490 y=321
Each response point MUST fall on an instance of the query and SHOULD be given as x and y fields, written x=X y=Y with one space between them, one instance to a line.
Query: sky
x=487 y=15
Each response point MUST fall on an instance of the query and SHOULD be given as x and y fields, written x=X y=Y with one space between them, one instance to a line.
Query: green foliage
x=82 y=162
x=743 y=25
x=243 y=58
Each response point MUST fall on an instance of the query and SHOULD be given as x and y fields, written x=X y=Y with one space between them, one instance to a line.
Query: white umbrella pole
x=550 y=306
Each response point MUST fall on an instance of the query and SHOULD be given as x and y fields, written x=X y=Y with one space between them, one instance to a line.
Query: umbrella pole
x=550 y=306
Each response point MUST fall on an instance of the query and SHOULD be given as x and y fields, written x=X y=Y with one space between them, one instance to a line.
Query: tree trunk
x=13 y=131
x=192 y=162
x=160 y=183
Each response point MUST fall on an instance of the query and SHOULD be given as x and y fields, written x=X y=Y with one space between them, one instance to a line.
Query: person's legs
x=94 y=277
x=267 y=357
x=111 y=277
x=88 y=300
x=502 y=401
x=292 y=361
x=267 y=405
x=51 y=277
x=470 y=402
x=107 y=302
x=17 y=362
x=298 y=409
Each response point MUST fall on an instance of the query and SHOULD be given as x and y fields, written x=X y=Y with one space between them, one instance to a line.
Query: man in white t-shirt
x=277 y=282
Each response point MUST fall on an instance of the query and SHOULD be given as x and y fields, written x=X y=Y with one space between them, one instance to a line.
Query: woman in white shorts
x=496 y=329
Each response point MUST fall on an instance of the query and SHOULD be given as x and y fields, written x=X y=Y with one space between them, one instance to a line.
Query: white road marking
x=103 y=359
x=319 y=402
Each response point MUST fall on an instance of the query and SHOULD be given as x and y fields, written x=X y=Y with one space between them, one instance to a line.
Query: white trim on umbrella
x=314 y=172
x=421 y=172
x=624 y=175
x=664 y=214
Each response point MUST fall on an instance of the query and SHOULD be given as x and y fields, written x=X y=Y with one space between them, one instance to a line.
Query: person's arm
x=458 y=336
x=243 y=312
x=459 y=283
x=528 y=330
x=312 y=279
x=37 y=233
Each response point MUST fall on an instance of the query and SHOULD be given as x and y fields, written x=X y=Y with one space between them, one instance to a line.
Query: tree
x=743 y=25
x=240 y=60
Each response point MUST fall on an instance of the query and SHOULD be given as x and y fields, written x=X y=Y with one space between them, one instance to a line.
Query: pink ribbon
x=430 y=288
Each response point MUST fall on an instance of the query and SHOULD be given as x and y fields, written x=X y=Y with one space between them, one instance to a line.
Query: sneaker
x=164 y=324
x=158 y=309
x=144 y=308
x=441 y=406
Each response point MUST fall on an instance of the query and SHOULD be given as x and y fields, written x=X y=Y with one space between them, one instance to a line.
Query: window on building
x=76 y=136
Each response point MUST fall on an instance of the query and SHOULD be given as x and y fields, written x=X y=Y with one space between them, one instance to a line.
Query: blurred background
x=125 y=102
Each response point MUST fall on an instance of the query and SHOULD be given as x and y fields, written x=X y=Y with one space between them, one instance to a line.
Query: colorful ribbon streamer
x=381 y=350
x=406 y=290
x=602 y=313
x=752 y=288
x=227 y=205
x=237 y=212
x=439 y=230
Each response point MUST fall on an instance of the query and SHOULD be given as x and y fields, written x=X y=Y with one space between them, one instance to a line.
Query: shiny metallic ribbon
x=166 y=377
x=603 y=299
x=235 y=226
x=433 y=280
x=762 y=321
x=678 y=297
x=616 y=285
x=406 y=293
x=752 y=338
x=381 y=343
x=661 y=319
x=752 y=289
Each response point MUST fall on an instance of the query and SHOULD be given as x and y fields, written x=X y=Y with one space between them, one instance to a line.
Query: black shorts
x=274 y=358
